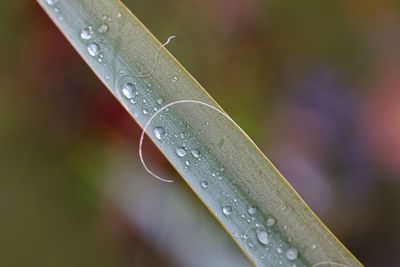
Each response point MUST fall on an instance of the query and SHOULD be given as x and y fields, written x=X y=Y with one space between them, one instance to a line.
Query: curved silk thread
x=158 y=112
x=155 y=60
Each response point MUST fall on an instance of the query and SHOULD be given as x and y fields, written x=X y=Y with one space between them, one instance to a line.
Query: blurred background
x=316 y=84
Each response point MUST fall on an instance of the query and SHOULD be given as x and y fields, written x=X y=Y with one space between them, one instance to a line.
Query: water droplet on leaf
x=103 y=28
x=250 y=243
x=128 y=90
x=93 y=49
x=86 y=33
x=181 y=152
x=52 y=2
x=195 y=153
x=263 y=237
x=227 y=210
x=204 y=184
x=252 y=210
x=270 y=221
x=159 y=132
x=291 y=254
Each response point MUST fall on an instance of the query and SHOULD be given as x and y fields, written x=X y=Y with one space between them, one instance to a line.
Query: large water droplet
x=227 y=210
x=128 y=90
x=291 y=254
x=181 y=152
x=263 y=237
x=52 y=2
x=195 y=153
x=93 y=49
x=159 y=132
x=86 y=33
x=252 y=210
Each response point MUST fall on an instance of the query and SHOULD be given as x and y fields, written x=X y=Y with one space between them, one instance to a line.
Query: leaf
x=239 y=185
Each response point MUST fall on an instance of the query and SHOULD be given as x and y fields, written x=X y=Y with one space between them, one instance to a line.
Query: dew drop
x=270 y=221
x=262 y=237
x=159 y=132
x=187 y=163
x=128 y=90
x=313 y=246
x=279 y=250
x=103 y=28
x=52 y=2
x=175 y=78
x=291 y=254
x=204 y=184
x=227 y=210
x=195 y=153
x=181 y=152
x=159 y=101
x=250 y=243
x=145 y=111
x=119 y=15
x=86 y=33
x=93 y=49
x=252 y=210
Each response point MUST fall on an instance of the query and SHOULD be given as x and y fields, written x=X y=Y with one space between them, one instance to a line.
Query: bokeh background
x=316 y=84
